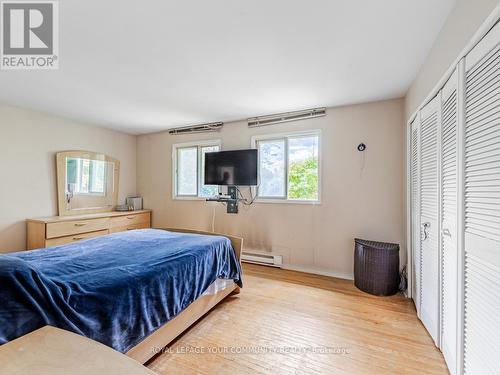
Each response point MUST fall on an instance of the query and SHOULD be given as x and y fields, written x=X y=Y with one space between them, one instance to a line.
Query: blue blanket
x=115 y=289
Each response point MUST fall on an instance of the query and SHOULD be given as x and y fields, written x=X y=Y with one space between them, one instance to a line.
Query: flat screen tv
x=231 y=168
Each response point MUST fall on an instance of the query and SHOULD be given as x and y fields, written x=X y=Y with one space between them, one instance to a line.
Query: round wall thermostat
x=361 y=147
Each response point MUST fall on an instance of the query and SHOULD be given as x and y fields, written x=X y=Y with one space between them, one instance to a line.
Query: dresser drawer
x=74 y=238
x=68 y=228
x=132 y=219
x=129 y=227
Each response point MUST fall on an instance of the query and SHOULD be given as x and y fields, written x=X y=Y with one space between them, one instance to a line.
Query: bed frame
x=164 y=335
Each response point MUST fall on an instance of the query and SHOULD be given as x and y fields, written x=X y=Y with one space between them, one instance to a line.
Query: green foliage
x=303 y=179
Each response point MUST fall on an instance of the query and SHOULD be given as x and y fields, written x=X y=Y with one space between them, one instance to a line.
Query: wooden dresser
x=60 y=230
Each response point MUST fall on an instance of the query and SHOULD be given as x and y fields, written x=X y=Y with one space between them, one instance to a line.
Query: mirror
x=87 y=182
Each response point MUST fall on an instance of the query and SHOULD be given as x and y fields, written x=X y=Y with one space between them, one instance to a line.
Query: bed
x=133 y=291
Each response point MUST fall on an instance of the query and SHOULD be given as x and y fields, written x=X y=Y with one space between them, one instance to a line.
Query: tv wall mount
x=231 y=199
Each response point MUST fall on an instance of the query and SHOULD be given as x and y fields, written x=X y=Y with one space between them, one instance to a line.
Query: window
x=288 y=166
x=189 y=168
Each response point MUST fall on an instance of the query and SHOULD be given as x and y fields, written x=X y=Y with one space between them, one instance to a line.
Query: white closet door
x=482 y=209
x=415 y=208
x=429 y=217
x=449 y=238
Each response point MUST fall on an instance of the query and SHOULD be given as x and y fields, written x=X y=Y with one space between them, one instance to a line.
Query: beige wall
x=462 y=23
x=28 y=143
x=355 y=203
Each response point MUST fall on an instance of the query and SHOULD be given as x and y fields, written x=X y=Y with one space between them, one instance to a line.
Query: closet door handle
x=446 y=232
x=426 y=227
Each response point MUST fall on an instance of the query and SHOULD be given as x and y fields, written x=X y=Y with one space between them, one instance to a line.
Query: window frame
x=199 y=145
x=287 y=136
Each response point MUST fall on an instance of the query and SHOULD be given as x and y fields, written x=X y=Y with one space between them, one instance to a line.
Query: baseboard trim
x=316 y=271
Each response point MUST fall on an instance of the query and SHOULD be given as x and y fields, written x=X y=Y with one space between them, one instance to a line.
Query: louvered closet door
x=415 y=208
x=449 y=238
x=482 y=209
x=429 y=212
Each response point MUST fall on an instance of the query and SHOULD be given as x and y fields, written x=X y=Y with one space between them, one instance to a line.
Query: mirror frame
x=61 y=181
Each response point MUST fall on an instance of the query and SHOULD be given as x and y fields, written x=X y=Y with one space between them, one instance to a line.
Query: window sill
x=287 y=201
x=257 y=200
x=189 y=198
x=91 y=194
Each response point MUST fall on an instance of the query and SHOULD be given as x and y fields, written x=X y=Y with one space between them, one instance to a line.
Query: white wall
x=28 y=143
x=462 y=23
x=355 y=203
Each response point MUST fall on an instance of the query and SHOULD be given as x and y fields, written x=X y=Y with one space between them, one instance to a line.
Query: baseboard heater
x=262 y=257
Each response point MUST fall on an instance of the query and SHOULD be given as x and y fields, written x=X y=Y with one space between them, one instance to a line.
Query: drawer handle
x=80 y=224
x=77 y=238
x=130 y=228
x=130 y=217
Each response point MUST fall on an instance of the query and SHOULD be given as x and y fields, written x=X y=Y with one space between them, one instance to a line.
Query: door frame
x=409 y=231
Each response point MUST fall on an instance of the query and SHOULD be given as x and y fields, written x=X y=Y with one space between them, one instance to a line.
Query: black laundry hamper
x=376 y=267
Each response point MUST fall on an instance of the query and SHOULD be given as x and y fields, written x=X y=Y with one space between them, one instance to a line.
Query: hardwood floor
x=286 y=322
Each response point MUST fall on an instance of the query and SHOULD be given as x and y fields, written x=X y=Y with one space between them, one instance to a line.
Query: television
x=237 y=168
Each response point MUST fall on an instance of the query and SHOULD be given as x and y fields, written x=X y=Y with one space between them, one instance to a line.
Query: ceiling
x=145 y=66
